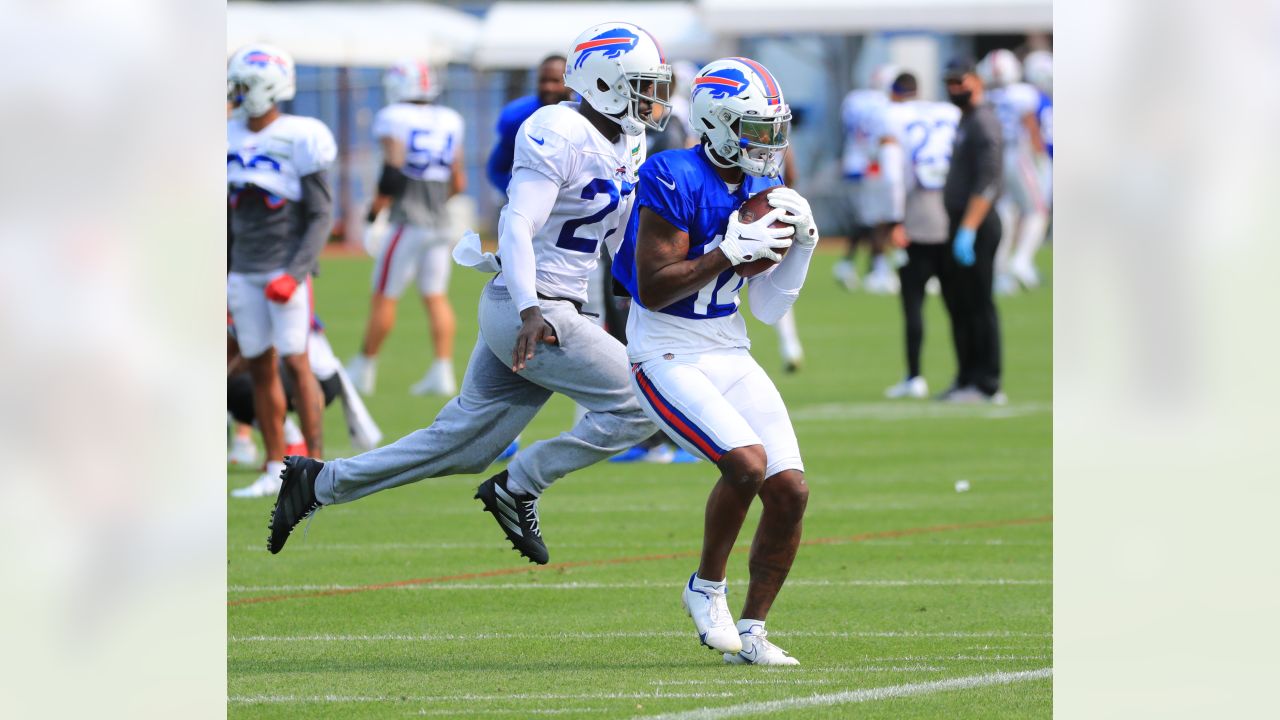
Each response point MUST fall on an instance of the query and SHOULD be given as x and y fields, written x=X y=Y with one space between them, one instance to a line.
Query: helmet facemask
x=246 y=97
x=757 y=144
x=652 y=88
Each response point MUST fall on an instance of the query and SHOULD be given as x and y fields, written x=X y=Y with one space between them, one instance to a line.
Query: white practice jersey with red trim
x=597 y=182
x=862 y=112
x=431 y=134
x=276 y=158
x=926 y=131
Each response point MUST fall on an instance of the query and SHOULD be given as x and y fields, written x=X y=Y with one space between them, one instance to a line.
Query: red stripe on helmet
x=770 y=84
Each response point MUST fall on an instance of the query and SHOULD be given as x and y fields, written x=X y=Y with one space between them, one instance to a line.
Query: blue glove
x=963 y=247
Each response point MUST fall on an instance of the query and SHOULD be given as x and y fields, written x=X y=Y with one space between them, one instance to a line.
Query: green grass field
x=908 y=600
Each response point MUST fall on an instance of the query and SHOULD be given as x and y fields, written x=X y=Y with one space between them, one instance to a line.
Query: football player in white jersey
x=280 y=217
x=688 y=343
x=915 y=157
x=863 y=117
x=422 y=168
x=1023 y=208
x=572 y=188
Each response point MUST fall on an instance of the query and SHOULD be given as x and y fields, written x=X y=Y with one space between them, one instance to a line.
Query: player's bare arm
x=662 y=270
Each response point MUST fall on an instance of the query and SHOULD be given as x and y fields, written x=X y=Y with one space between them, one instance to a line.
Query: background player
x=572 y=189
x=551 y=90
x=688 y=343
x=1024 y=208
x=915 y=157
x=334 y=384
x=863 y=116
x=281 y=215
x=422 y=168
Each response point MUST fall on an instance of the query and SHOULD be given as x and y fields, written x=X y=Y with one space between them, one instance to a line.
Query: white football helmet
x=1038 y=67
x=999 y=68
x=616 y=66
x=258 y=77
x=410 y=81
x=738 y=108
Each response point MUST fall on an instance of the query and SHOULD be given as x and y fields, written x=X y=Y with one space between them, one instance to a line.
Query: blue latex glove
x=963 y=247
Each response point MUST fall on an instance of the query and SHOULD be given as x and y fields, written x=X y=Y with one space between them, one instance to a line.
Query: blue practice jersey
x=682 y=187
x=504 y=152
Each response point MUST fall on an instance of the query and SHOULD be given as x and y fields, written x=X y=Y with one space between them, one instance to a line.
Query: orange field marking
x=863 y=537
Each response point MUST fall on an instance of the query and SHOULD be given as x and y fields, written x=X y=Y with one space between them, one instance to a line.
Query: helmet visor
x=773 y=133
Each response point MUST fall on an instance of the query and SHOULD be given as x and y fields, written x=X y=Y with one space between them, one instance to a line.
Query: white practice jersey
x=862 y=113
x=597 y=192
x=431 y=135
x=926 y=131
x=277 y=158
x=1012 y=103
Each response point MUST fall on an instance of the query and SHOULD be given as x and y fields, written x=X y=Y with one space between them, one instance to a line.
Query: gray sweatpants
x=495 y=404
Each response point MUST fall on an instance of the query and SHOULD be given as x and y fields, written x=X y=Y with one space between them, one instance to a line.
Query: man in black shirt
x=973 y=184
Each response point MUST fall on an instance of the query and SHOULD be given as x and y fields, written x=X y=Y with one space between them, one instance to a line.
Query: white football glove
x=747 y=243
x=798 y=213
x=375 y=234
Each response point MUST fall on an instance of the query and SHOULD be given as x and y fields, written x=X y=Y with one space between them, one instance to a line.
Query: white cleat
x=757 y=650
x=363 y=372
x=243 y=452
x=846 y=274
x=438 y=381
x=267 y=485
x=1005 y=284
x=915 y=387
x=1026 y=275
x=882 y=282
x=711 y=618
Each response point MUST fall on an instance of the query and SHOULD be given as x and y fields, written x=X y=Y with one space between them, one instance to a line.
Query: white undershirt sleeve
x=532 y=196
x=772 y=293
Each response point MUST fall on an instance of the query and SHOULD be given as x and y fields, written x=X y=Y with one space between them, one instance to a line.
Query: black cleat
x=297 y=499
x=517 y=514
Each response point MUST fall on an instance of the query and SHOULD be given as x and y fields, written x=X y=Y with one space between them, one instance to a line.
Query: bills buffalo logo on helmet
x=722 y=83
x=263 y=59
x=612 y=43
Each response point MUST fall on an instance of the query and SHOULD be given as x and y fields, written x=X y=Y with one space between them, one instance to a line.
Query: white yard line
x=859 y=696
x=913 y=411
x=469 y=697
x=618 y=634
x=945 y=582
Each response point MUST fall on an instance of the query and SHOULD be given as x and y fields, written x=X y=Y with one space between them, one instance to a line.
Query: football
x=754 y=208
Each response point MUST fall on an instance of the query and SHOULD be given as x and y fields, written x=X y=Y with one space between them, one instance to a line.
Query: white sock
x=274 y=468
x=445 y=365
x=744 y=625
x=292 y=435
x=718 y=584
x=1030 y=237
x=515 y=482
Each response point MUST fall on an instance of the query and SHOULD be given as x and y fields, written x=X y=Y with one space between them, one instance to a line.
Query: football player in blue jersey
x=551 y=90
x=688 y=343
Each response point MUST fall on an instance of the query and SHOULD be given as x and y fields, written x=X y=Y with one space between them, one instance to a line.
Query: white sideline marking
x=469 y=697
x=617 y=634
x=636 y=585
x=860 y=696
x=914 y=411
